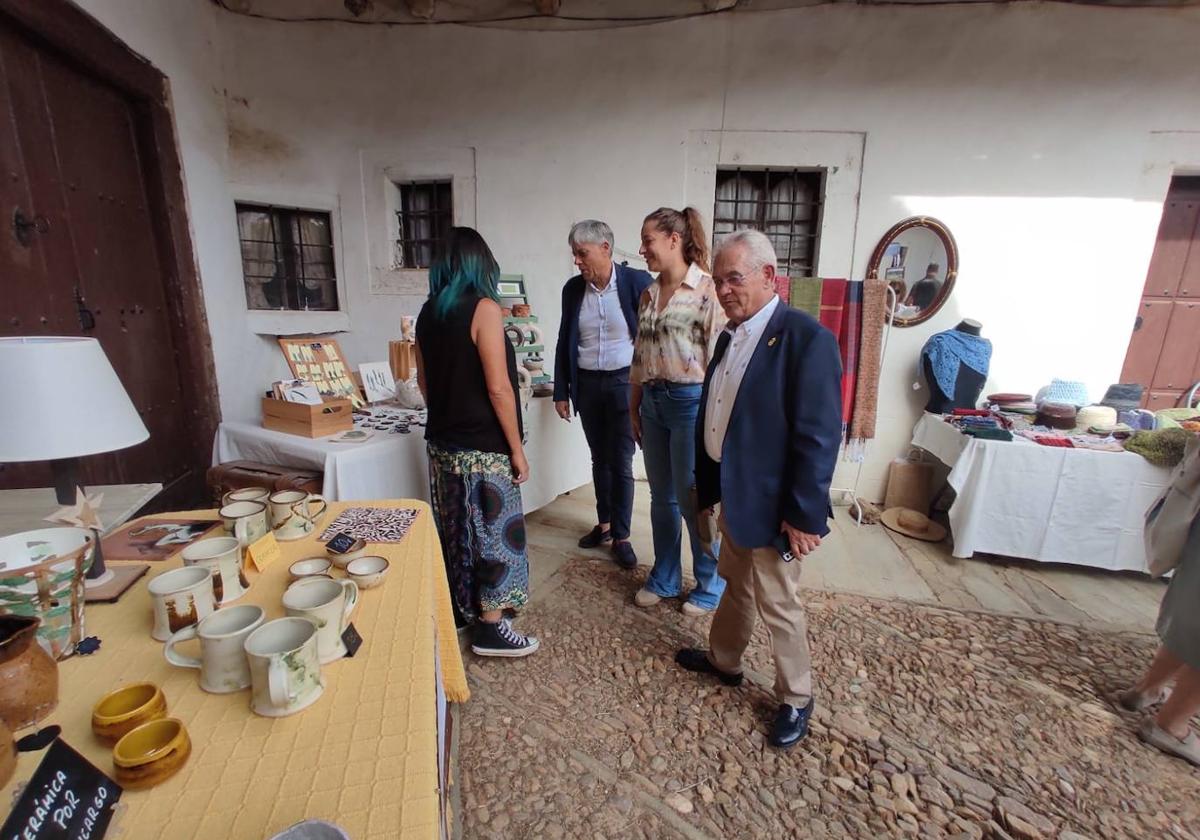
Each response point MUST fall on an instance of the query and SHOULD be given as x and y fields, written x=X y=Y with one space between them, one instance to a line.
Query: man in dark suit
x=767 y=440
x=591 y=369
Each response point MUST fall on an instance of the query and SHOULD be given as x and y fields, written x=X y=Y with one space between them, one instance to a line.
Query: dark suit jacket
x=631 y=282
x=783 y=437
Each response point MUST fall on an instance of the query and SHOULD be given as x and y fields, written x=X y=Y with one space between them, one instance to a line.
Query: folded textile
x=1053 y=440
x=1163 y=448
x=989 y=434
x=971 y=412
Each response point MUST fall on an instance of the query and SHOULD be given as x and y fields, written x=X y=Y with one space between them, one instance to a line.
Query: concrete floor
x=873 y=561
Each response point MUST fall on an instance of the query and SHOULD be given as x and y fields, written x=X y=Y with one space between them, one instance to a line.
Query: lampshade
x=62 y=399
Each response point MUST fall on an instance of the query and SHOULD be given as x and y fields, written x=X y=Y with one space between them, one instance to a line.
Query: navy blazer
x=784 y=433
x=631 y=282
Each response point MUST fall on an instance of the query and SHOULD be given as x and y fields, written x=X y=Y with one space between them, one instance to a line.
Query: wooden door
x=1164 y=352
x=92 y=256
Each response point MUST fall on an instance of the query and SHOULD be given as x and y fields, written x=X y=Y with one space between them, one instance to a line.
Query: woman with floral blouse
x=679 y=319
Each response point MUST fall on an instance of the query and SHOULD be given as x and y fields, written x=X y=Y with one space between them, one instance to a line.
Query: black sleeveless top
x=460 y=411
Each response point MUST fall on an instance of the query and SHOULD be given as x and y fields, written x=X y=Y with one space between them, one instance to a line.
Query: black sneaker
x=694 y=659
x=500 y=639
x=623 y=554
x=595 y=537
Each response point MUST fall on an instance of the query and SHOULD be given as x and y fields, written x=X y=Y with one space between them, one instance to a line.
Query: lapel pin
x=771 y=341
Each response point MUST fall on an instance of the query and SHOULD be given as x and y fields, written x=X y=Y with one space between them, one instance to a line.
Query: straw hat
x=913 y=524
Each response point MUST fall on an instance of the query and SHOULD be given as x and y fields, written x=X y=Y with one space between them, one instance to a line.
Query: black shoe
x=694 y=659
x=595 y=537
x=623 y=554
x=500 y=639
x=791 y=725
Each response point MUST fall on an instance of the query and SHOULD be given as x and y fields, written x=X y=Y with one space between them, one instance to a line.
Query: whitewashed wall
x=1044 y=136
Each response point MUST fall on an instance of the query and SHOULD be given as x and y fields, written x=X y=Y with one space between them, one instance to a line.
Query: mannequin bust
x=967 y=387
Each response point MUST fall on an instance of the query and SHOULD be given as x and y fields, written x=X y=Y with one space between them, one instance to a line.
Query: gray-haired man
x=591 y=369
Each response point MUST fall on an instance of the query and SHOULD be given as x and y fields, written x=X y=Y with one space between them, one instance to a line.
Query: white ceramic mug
x=246 y=494
x=245 y=520
x=285 y=674
x=222 y=663
x=222 y=555
x=181 y=597
x=327 y=603
x=295 y=513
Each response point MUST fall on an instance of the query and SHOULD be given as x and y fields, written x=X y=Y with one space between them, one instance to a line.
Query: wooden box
x=400 y=355
x=312 y=421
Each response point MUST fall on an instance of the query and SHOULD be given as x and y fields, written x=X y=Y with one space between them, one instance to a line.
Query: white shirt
x=727 y=378
x=604 y=339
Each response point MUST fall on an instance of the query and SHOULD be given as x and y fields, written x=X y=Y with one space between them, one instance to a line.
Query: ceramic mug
x=247 y=521
x=181 y=597
x=223 y=556
x=246 y=494
x=295 y=513
x=328 y=604
x=285 y=673
x=222 y=663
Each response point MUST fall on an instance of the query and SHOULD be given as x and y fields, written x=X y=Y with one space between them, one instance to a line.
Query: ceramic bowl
x=151 y=753
x=367 y=572
x=341 y=560
x=127 y=708
x=309 y=567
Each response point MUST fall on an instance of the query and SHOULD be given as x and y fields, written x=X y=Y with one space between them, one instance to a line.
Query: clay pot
x=28 y=675
x=521 y=310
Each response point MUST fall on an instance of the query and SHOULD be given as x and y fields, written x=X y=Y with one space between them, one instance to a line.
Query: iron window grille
x=785 y=204
x=287 y=258
x=424 y=220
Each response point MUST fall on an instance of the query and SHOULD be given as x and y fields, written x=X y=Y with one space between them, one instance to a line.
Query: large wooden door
x=80 y=173
x=1164 y=352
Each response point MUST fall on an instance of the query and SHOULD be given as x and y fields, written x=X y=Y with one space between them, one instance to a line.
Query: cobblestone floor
x=929 y=723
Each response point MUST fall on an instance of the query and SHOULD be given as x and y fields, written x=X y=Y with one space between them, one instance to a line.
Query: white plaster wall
x=1043 y=135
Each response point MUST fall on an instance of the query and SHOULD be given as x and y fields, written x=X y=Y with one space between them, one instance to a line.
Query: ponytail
x=690 y=227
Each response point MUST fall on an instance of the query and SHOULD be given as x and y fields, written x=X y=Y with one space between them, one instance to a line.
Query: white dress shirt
x=727 y=378
x=604 y=339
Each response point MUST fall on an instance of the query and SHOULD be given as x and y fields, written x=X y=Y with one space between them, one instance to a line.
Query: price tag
x=351 y=640
x=67 y=799
x=264 y=551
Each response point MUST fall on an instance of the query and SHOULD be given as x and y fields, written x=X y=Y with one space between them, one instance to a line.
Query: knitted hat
x=1096 y=415
x=1056 y=415
x=1123 y=397
x=1065 y=391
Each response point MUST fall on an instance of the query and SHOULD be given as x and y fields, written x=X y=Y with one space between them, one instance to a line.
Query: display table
x=26 y=510
x=1057 y=505
x=394 y=466
x=365 y=756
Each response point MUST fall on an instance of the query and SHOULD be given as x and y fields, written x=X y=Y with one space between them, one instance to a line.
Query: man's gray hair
x=590 y=231
x=758 y=247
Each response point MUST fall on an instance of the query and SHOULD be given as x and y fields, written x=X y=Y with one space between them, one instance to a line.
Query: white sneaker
x=693 y=610
x=646 y=598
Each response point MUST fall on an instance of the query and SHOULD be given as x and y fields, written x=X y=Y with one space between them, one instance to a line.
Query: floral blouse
x=675 y=345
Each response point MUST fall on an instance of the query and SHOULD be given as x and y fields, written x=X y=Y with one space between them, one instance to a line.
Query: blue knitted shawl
x=947 y=350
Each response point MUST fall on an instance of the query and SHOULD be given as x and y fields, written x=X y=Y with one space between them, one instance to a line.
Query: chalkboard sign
x=341 y=543
x=67 y=799
x=351 y=639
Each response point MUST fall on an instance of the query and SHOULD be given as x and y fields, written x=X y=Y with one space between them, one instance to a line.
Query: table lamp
x=63 y=400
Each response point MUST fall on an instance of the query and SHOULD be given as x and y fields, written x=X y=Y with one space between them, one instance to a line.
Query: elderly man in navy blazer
x=591 y=369
x=766 y=443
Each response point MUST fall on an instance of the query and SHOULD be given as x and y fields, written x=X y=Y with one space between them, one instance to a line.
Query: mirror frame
x=941 y=232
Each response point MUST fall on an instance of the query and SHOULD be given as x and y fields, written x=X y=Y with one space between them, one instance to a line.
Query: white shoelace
x=510 y=635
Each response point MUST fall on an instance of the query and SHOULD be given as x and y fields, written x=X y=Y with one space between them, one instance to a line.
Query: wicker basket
x=42 y=575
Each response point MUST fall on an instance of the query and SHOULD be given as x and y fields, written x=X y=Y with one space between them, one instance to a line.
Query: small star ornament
x=85 y=513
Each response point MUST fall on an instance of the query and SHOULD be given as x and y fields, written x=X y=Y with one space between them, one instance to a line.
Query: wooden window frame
x=289 y=254
x=808 y=256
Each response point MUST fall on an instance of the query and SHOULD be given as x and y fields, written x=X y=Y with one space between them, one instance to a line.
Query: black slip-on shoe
x=791 y=725
x=595 y=538
x=624 y=555
x=696 y=660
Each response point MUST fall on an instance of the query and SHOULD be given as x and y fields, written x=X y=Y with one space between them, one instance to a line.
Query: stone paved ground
x=929 y=723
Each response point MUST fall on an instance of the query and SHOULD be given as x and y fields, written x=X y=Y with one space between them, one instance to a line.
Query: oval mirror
x=919 y=260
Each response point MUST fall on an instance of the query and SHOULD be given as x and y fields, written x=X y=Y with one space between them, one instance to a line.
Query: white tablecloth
x=394 y=466
x=1019 y=499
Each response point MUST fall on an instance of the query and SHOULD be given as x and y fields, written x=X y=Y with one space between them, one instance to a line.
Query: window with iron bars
x=785 y=204
x=424 y=220
x=287 y=258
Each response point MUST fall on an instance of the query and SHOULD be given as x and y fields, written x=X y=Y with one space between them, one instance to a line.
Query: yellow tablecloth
x=364 y=756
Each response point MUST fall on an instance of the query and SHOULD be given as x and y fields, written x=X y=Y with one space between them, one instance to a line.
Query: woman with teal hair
x=467 y=371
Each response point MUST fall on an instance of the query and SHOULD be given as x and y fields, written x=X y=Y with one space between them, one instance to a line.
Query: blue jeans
x=669 y=449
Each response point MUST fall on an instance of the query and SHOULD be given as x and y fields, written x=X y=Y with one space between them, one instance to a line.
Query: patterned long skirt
x=477 y=508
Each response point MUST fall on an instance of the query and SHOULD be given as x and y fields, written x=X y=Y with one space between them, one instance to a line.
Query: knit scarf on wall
x=946 y=351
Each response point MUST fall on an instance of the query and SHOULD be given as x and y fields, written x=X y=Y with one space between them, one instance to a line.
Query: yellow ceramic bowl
x=127 y=707
x=151 y=753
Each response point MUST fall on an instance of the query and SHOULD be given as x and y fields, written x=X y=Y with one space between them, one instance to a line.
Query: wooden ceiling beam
x=422 y=9
x=547 y=7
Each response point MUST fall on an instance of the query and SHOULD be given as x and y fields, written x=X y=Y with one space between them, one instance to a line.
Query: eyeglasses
x=735 y=280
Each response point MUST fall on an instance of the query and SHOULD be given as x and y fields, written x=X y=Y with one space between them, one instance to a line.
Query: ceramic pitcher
x=285 y=674
x=247 y=521
x=223 y=556
x=181 y=597
x=222 y=663
x=328 y=604
x=295 y=513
